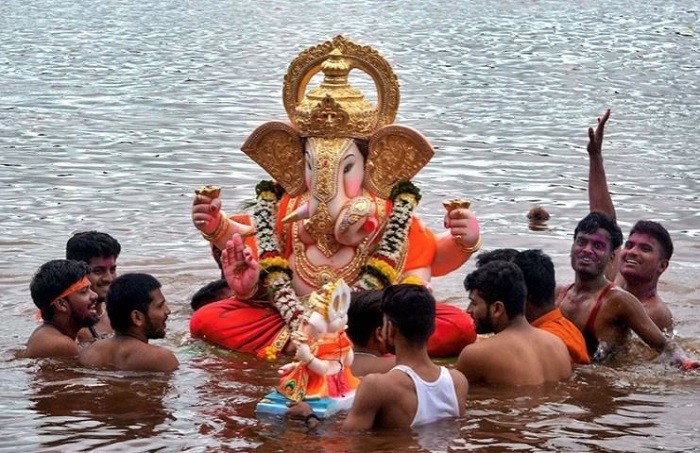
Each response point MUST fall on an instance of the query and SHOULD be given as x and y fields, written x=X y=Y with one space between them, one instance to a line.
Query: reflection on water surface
x=114 y=111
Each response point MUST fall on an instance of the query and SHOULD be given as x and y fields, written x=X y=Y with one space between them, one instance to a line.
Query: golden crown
x=335 y=108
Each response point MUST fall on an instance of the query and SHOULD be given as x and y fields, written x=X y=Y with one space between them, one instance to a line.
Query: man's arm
x=369 y=398
x=461 y=389
x=636 y=317
x=598 y=194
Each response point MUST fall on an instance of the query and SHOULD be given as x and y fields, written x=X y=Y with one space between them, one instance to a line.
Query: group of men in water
x=81 y=301
x=539 y=330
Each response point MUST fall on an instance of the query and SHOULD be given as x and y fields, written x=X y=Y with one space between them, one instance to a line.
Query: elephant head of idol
x=340 y=153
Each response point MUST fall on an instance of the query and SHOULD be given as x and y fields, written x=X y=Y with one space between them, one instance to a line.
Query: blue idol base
x=274 y=403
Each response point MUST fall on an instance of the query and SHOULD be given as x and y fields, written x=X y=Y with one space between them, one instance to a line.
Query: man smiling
x=603 y=312
x=100 y=252
x=646 y=253
x=61 y=290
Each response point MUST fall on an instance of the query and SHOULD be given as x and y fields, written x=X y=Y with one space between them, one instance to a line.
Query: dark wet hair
x=411 y=308
x=499 y=281
x=540 y=278
x=364 y=315
x=596 y=220
x=92 y=244
x=211 y=292
x=127 y=293
x=51 y=280
x=504 y=254
x=658 y=232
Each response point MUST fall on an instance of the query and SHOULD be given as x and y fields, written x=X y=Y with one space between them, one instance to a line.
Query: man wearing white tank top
x=416 y=391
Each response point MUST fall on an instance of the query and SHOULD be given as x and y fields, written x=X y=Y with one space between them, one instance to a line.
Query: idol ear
x=277 y=148
x=396 y=153
x=340 y=301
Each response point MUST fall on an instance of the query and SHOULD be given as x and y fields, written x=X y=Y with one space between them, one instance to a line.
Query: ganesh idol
x=340 y=204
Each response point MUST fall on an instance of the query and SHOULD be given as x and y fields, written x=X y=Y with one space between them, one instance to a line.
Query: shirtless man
x=540 y=310
x=416 y=391
x=100 y=252
x=519 y=354
x=365 y=321
x=603 y=312
x=138 y=312
x=646 y=253
x=61 y=290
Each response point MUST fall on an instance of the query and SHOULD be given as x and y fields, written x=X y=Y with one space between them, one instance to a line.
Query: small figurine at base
x=321 y=374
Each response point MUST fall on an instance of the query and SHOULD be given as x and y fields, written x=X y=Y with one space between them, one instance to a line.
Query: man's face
x=83 y=305
x=640 y=258
x=158 y=312
x=591 y=253
x=102 y=272
x=479 y=310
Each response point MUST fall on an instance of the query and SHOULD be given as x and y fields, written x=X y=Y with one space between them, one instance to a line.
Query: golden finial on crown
x=336 y=109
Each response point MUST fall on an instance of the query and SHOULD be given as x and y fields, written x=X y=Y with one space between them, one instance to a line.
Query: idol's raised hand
x=205 y=213
x=463 y=225
x=240 y=267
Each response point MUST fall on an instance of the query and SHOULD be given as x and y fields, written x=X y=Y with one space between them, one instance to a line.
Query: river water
x=112 y=112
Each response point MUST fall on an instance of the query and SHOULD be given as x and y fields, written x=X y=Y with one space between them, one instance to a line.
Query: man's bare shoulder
x=114 y=353
x=474 y=358
x=380 y=380
x=99 y=354
x=47 y=342
x=659 y=312
x=149 y=357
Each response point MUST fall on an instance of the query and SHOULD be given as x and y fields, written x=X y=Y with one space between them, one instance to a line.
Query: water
x=112 y=112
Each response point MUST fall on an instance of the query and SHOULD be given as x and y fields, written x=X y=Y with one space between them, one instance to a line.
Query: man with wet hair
x=518 y=353
x=416 y=391
x=646 y=253
x=365 y=321
x=603 y=312
x=540 y=311
x=138 y=312
x=211 y=292
x=61 y=290
x=502 y=254
x=100 y=252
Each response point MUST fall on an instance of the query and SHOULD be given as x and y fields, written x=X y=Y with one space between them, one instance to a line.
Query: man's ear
x=60 y=304
x=377 y=335
x=663 y=265
x=137 y=318
x=497 y=309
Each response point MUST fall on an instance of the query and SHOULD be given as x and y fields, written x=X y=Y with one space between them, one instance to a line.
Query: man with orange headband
x=61 y=290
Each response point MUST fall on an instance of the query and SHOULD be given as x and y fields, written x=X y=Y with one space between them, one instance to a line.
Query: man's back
x=128 y=354
x=393 y=400
x=518 y=355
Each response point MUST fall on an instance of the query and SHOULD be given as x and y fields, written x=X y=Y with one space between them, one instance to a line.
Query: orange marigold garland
x=380 y=270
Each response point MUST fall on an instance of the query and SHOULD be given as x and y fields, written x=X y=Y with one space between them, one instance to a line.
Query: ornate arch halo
x=336 y=58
